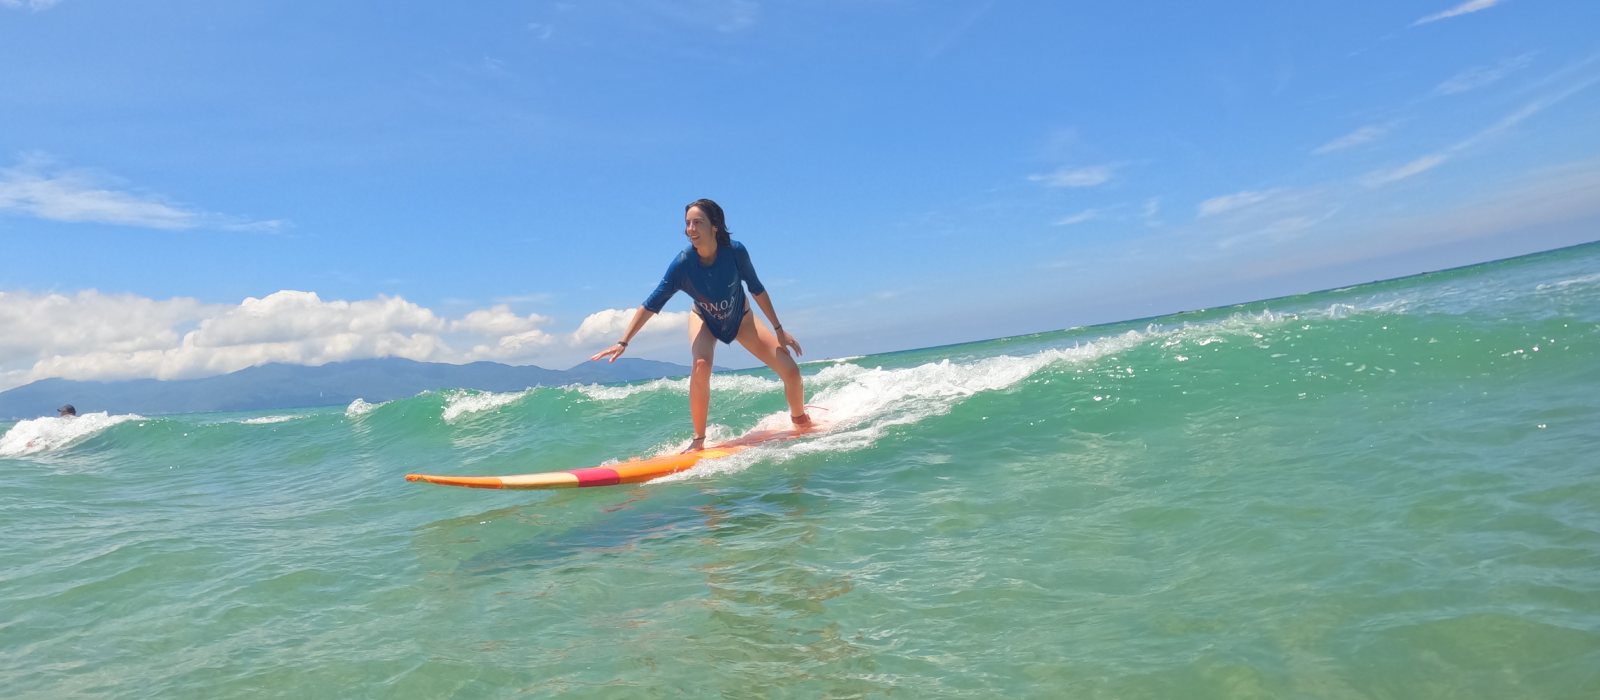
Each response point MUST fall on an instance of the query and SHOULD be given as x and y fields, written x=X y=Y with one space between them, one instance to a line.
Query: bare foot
x=695 y=445
x=801 y=421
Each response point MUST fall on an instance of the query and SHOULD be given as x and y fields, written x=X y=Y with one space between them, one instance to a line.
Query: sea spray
x=40 y=435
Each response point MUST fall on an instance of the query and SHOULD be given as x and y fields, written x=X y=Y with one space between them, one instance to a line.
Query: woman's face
x=697 y=226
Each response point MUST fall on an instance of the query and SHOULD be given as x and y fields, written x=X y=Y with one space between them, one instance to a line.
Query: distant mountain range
x=276 y=386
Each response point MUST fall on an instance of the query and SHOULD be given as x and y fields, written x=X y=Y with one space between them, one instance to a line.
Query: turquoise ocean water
x=1385 y=491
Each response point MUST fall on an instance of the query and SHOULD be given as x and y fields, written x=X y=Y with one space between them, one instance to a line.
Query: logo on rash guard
x=719 y=310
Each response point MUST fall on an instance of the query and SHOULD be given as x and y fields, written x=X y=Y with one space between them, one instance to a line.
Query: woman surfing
x=715 y=271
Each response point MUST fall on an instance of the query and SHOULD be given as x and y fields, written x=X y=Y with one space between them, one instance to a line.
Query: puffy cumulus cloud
x=518 y=346
x=48 y=324
x=93 y=336
x=499 y=320
x=512 y=337
x=292 y=316
x=607 y=325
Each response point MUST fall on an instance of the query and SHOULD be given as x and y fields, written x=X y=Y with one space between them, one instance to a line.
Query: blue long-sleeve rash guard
x=714 y=288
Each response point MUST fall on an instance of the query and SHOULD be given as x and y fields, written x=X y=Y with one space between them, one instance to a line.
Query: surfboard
x=632 y=471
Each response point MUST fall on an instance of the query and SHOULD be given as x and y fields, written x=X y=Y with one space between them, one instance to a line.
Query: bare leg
x=762 y=343
x=703 y=346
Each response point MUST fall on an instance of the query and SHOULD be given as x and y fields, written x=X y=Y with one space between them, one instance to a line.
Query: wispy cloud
x=1511 y=211
x=1081 y=217
x=35 y=5
x=1379 y=178
x=541 y=31
x=34 y=189
x=40 y=188
x=958 y=32
x=535 y=298
x=1278 y=230
x=1364 y=135
x=493 y=66
x=1465 y=8
x=1234 y=202
x=1482 y=76
x=738 y=16
x=1151 y=213
x=723 y=16
x=1075 y=177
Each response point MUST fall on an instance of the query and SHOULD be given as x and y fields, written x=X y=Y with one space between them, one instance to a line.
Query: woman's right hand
x=611 y=353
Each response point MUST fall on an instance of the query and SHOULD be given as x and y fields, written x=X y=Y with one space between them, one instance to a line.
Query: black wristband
x=623 y=343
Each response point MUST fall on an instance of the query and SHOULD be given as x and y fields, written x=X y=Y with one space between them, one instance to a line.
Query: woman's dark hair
x=713 y=212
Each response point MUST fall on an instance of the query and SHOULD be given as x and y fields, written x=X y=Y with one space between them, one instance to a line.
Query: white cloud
x=1428 y=162
x=1379 y=178
x=738 y=15
x=93 y=336
x=539 y=298
x=499 y=320
x=1078 y=218
x=32 y=189
x=1510 y=121
x=1524 y=213
x=42 y=325
x=725 y=16
x=35 y=5
x=514 y=346
x=610 y=324
x=1480 y=77
x=1235 y=202
x=1277 y=231
x=1364 y=135
x=40 y=188
x=1060 y=141
x=1464 y=8
x=1151 y=212
x=1075 y=177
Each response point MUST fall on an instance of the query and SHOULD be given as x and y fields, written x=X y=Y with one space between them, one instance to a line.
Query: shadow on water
x=580 y=524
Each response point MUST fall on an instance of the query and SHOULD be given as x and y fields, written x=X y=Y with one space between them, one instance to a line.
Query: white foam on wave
x=720 y=383
x=1254 y=326
x=1580 y=281
x=360 y=407
x=861 y=402
x=833 y=360
x=50 y=434
x=462 y=403
x=267 y=420
x=857 y=405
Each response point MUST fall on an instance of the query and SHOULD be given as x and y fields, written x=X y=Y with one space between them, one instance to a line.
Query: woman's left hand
x=785 y=340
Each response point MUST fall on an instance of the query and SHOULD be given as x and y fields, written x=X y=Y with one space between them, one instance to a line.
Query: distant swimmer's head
x=709 y=214
x=67 y=410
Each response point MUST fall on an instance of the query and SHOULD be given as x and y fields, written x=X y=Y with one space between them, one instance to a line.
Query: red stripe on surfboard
x=596 y=476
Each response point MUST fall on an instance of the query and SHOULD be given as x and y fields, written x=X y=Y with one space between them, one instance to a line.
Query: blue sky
x=189 y=188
